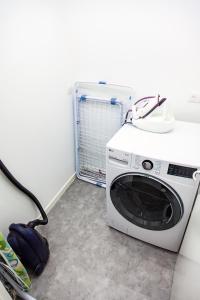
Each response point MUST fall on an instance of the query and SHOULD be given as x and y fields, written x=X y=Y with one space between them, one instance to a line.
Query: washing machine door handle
x=196 y=174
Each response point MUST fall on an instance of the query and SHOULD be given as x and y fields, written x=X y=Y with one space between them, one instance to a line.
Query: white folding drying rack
x=99 y=111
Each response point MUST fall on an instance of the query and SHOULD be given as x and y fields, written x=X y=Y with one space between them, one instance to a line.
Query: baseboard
x=59 y=194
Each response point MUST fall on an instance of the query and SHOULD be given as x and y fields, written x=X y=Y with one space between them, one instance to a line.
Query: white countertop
x=182 y=145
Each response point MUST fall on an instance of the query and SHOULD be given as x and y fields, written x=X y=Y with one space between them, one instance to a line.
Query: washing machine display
x=181 y=171
x=145 y=201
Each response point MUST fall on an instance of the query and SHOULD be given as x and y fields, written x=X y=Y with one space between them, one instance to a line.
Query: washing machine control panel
x=141 y=163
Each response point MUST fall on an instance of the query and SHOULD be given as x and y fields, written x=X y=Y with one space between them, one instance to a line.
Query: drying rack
x=98 y=116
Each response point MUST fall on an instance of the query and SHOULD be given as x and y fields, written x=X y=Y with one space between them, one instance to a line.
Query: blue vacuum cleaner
x=29 y=245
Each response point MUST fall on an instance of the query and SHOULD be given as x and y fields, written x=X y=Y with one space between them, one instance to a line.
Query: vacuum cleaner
x=29 y=245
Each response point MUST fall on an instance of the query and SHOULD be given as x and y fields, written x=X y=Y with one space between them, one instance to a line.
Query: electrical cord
x=159 y=103
x=126 y=118
x=14 y=181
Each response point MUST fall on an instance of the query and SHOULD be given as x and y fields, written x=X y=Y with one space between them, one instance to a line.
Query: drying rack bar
x=112 y=101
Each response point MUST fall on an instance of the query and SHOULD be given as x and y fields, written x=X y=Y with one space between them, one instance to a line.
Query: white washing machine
x=150 y=186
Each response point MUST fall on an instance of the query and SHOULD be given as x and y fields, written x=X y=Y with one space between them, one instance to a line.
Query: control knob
x=147 y=164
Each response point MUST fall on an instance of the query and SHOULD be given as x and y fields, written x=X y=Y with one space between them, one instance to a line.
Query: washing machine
x=152 y=181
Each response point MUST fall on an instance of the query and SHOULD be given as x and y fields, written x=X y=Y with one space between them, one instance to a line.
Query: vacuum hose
x=33 y=223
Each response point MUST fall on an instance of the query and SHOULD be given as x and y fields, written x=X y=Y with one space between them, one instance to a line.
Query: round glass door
x=146 y=201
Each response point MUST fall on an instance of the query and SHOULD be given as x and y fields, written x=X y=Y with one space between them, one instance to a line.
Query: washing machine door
x=146 y=201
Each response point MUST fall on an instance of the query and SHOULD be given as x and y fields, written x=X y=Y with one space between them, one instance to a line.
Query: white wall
x=187 y=271
x=152 y=45
x=45 y=45
x=36 y=132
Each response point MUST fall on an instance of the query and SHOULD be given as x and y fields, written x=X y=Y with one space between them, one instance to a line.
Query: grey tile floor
x=91 y=261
